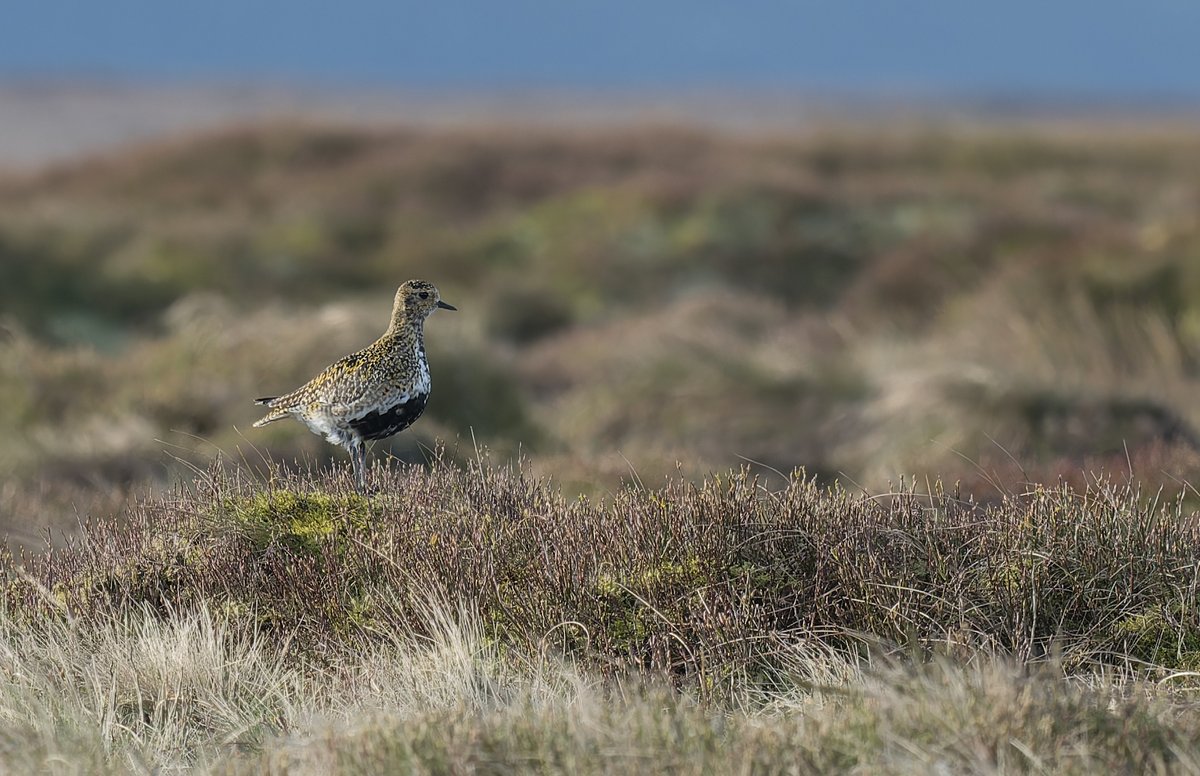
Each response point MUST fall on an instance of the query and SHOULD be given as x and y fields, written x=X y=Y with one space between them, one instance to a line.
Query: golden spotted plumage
x=375 y=392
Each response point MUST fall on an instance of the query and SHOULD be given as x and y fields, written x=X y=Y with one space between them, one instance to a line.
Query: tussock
x=704 y=584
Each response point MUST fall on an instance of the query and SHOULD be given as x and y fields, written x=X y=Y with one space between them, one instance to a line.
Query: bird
x=372 y=393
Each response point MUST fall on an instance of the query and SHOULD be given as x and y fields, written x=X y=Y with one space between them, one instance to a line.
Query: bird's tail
x=273 y=415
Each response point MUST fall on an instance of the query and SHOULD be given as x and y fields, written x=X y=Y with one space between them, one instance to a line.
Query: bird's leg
x=355 y=449
x=362 y=466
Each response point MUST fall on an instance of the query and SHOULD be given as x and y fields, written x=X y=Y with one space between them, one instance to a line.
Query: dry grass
x=199 y=691
x=940 y=719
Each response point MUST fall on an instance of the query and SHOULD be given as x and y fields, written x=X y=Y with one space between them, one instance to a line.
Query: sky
x=1102 y=49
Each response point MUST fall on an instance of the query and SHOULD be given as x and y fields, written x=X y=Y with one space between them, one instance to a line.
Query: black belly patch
x=380 y=425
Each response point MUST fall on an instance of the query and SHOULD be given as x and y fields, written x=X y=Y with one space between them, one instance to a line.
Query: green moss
x=634 y=604
x=668 y=575
x=1162 y=637
x=355 y=616
x=300 y=521
x=161 y=577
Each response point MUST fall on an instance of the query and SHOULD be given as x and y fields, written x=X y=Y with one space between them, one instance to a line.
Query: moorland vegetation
x=852 y=450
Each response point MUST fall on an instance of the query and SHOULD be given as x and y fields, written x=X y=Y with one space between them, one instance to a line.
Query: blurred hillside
x=991 y=305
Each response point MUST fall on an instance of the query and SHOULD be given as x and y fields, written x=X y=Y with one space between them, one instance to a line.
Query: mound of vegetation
x=704 y=583
x=463 y=614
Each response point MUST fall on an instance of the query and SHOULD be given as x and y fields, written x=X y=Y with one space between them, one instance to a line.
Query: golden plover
x=373 y=393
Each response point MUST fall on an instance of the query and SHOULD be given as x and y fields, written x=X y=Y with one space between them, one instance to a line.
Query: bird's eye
x=424 y=294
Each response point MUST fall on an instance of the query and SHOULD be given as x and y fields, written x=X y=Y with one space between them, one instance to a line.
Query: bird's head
x=417 y=299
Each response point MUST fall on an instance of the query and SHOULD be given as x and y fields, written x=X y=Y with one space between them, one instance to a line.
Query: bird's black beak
x=445 y=306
